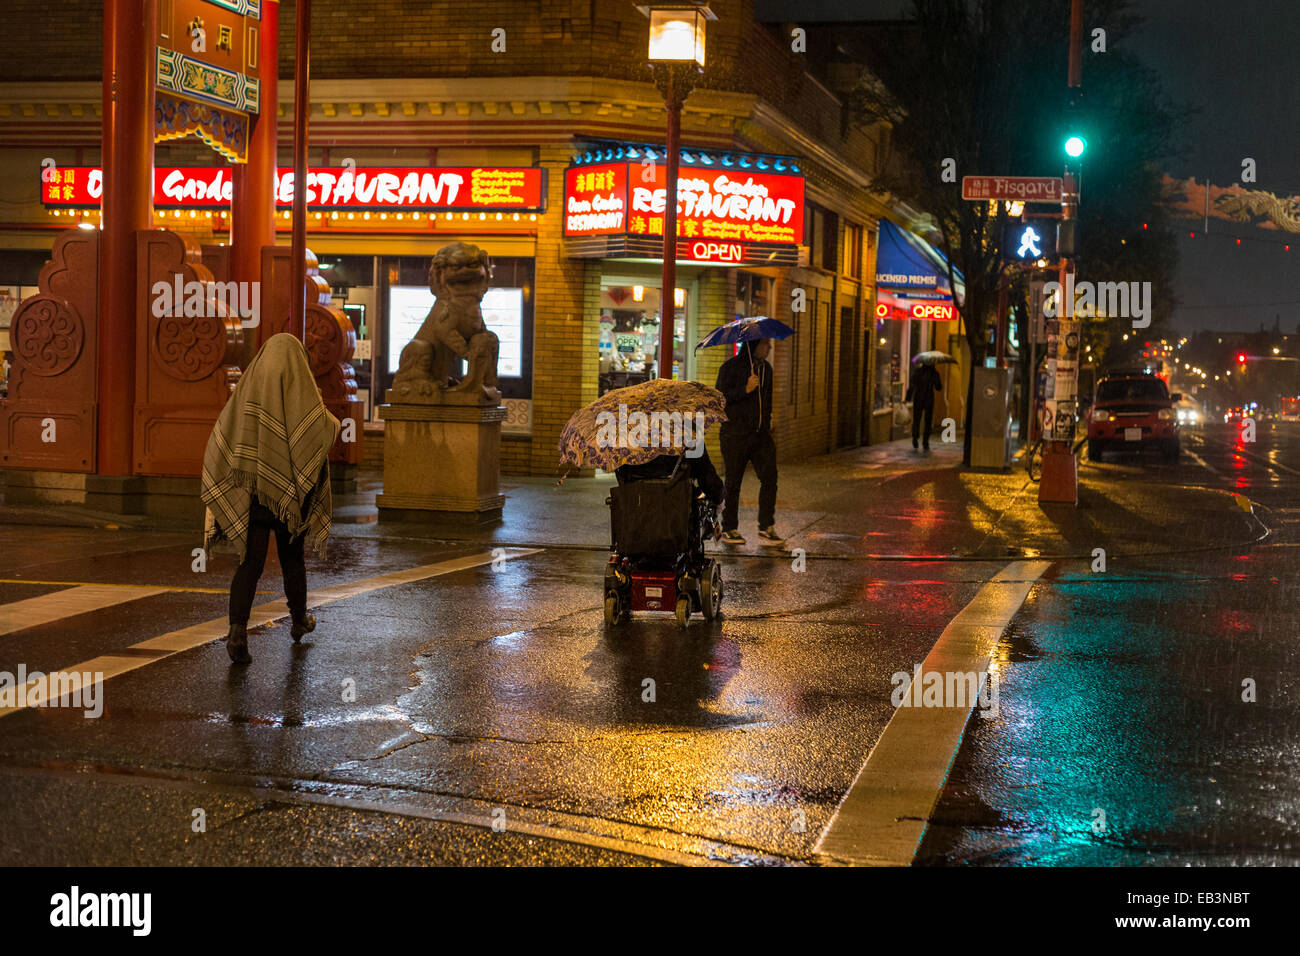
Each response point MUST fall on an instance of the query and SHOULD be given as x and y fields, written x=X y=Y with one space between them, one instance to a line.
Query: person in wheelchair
x=662 y=513
x=701 y=469
x=703 y=476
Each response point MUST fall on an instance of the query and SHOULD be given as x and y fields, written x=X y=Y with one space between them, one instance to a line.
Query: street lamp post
x=676 y=54
x=1060 y=475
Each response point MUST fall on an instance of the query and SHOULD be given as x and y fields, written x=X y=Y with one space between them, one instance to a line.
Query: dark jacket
x=925 y=382
x=702 y=472
x=746 y=411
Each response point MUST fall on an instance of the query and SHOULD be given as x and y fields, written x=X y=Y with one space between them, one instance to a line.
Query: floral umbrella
x=632 y=425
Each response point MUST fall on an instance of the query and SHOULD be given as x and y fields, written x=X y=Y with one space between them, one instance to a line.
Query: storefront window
x=893 y=341
x=507 y=310
x=753 y=294
x=629 y=333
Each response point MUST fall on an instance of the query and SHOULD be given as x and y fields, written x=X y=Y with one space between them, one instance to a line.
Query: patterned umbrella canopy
x=632 y=425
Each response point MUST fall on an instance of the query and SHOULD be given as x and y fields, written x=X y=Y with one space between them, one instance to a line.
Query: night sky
x=1232 y=64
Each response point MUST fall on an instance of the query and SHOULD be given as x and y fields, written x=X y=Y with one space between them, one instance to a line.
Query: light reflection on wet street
x=416 y=712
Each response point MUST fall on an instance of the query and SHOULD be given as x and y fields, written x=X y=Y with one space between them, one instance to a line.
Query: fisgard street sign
x=1023 y=188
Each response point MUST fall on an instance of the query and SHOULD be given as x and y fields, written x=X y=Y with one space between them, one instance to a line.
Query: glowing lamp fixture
x=638 y=293
x=677 y=31
x=679 y=297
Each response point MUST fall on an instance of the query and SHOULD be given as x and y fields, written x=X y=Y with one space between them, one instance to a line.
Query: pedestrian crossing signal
x=1029 y=240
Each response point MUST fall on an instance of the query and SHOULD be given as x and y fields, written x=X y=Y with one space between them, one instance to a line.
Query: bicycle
x=1034 y=456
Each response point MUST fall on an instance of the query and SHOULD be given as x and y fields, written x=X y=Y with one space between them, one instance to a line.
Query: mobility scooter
x=658 y=530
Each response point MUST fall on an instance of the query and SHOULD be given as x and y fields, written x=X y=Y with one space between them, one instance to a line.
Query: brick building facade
x=410 y=83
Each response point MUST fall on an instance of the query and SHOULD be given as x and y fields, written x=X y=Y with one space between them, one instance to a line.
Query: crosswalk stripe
x=881 y=820
x=106 y=584
x=33 y=612
x=174 y=642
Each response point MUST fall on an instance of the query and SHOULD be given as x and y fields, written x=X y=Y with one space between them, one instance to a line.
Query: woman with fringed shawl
x=266 y=471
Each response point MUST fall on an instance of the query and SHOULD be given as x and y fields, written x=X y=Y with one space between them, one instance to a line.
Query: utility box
x=990 y=444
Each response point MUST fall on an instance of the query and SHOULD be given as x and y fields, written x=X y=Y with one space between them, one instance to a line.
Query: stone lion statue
x=429 y=365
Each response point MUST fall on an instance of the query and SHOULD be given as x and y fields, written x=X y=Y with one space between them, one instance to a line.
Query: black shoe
x=914 y=445
x=237 y=644
x=926 y=446
x=303 y=625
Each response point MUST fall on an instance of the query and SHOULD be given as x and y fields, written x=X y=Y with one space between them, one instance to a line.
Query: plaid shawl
x=271 y=440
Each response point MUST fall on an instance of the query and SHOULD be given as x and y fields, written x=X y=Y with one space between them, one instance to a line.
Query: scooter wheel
x=683 y=611
x=612 y=610
x=711 y=592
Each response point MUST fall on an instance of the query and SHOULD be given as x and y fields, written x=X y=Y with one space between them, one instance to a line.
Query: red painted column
x=253 y=192
x=301 y=114
x=129 y=33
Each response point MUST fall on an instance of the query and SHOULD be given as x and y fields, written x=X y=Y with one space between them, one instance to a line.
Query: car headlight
x=1182 y=414
x=1165 y=414
x=1100 y=415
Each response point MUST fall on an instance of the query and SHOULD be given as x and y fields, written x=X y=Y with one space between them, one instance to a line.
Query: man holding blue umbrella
x=746 y=437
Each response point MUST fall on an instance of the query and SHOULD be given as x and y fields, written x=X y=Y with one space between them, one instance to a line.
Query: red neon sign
x=595 y=200
x=704 y=251
x=385 y=188
x=721 y=206
x=938 y=311
x=887 y=306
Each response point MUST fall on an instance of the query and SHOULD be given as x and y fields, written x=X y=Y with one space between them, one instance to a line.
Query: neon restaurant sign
x=732 y=208
x=450 y=189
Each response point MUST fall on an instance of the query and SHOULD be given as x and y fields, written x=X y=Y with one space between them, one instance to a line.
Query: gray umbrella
x=932 y=357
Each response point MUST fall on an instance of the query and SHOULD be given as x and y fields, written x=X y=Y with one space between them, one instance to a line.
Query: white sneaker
x=769 y=537
x=732 y=537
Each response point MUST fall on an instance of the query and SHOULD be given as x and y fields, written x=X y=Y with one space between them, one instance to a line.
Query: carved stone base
x=441 y=462
x=411 y=394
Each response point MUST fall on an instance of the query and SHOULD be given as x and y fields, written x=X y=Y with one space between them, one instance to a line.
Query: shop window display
x=629 y=335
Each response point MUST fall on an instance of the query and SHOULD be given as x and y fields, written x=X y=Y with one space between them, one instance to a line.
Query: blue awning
x=911 y=268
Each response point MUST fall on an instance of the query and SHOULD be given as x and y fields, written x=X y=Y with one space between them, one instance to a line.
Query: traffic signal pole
x=1060 y=481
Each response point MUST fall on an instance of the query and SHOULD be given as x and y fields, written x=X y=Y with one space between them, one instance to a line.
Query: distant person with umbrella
x=920 y=392
x=745 y=380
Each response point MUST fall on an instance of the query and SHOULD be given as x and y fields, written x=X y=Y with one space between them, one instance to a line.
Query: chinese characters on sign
x=388 y=188
x=717 y=206
x=1022 y=188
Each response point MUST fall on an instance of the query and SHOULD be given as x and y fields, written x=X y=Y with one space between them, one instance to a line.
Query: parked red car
x=1133 y=411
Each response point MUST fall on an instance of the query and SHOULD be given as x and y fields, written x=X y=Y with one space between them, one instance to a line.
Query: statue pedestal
x=441 y=463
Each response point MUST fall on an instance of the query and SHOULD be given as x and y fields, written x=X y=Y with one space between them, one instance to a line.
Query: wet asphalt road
x=487 y=715
x=1124 y=737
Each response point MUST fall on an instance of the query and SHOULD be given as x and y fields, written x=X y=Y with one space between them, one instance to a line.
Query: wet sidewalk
x=889 y=502
x=885 y=501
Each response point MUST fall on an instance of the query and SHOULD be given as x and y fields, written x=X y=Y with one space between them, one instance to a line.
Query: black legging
x=261 y=522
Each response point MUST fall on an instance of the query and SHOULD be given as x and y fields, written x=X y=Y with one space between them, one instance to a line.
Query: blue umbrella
x=746 y=329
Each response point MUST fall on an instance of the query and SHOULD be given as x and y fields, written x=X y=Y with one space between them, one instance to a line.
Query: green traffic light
x=1074 y=146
